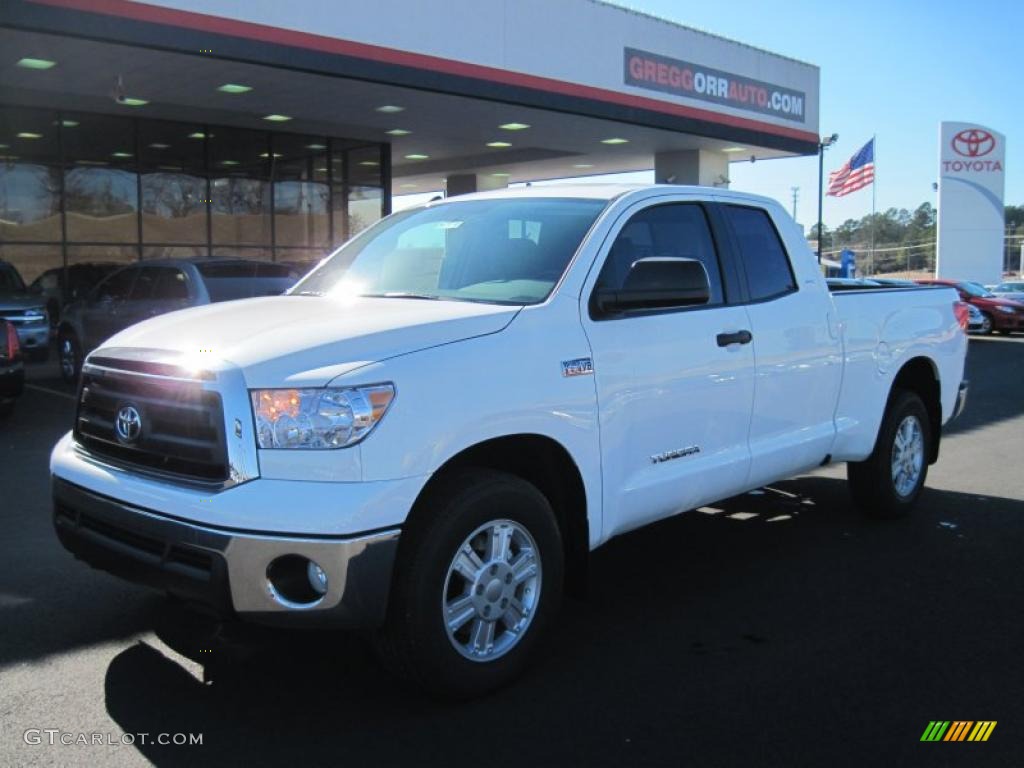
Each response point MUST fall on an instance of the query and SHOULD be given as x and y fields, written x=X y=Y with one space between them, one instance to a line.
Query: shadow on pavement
x=779 y=627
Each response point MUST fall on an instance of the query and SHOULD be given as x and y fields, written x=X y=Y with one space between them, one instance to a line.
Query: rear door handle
x=740 y=337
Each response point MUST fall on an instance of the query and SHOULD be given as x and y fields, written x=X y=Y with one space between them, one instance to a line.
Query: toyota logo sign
x=128 y=424
x=973 y=142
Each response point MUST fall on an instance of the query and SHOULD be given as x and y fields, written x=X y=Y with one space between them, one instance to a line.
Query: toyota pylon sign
x=972 y=160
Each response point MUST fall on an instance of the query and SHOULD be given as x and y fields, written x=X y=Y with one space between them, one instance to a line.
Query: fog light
x=317 y=578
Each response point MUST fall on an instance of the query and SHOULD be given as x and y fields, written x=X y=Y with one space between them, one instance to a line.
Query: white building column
x=692 y=166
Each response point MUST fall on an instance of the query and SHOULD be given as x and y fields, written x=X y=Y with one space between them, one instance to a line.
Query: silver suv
x=26 y=312
x=149 y=288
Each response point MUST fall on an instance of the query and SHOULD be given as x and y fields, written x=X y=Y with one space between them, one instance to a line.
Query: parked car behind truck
x=26 y=312
x=150 y=288
x=428 y=435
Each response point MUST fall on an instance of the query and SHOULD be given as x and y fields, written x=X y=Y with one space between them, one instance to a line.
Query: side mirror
x=657 y=283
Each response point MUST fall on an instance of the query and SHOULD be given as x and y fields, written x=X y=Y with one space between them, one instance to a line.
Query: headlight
x=1006 y=310
x=318 y=418
x=34 y=315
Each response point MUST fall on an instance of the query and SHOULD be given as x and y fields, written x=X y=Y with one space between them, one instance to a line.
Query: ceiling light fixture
x=29 y=63
x=735 y=149
x=131 y=101
x=514 y=126
x=398 y=132
x=316 y=146
x=69 y=123
x=583 y=165
x=158 y=145
x=615 y=140
x=229 y=162
x=197 y=135
x=498 y=144
x=29 y=135
x=277 y=118
x=121 y=154
x=369 y=163
x=415 y=156
x=390 y=109
x=234 y=88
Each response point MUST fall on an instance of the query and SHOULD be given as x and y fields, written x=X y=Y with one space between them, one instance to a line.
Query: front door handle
x=740 y=337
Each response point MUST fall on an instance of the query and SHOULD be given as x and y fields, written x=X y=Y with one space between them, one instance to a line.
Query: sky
x=893 y=70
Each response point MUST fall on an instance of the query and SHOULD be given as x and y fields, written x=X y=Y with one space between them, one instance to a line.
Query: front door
x=675 y=395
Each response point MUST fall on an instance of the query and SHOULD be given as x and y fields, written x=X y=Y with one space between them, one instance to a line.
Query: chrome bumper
x=226 y=571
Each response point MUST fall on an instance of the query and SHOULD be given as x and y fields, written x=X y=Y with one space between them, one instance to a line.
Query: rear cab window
x=762 y=254
x=226 y=280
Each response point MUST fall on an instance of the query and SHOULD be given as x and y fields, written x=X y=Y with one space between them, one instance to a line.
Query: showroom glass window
x=83 y=188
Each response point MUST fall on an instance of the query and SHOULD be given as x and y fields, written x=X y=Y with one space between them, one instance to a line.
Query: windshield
x=10 y=280
x=506 y=251
x=973 y=289
x=1010 y=288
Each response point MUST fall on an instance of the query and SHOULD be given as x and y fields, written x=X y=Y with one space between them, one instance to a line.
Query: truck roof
x=605 y=192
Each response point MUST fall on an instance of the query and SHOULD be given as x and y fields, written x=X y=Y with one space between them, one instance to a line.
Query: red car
x=1001 y=315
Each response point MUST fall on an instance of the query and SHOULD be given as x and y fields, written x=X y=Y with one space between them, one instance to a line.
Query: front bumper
x=222 y=570
x=1004 y=322
x=33 y=337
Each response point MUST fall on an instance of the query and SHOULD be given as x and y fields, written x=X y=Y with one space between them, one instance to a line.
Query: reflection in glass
x=102 y=204
x=240 y=211
x=173 y=208
x=29 y=202
x=31 y=260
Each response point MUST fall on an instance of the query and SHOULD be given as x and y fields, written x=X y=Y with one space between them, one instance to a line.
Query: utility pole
x=824 y=143
x=796 y=196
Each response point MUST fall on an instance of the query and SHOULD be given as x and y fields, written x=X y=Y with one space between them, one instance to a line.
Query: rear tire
x=477 y=584
x=887 y=484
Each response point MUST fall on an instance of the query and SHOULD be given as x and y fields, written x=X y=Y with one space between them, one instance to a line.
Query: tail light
x=10 y=347
x=962 y=313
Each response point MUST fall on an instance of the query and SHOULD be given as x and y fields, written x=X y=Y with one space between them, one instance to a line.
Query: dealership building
x=276 y=130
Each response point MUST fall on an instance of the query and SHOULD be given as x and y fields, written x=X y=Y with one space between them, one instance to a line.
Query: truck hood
x=307 y=340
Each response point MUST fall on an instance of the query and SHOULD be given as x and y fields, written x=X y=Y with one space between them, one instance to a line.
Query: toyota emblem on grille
x=128 y=424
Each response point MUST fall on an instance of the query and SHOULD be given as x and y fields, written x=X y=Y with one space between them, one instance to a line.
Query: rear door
x=796 y=347
x=674 y=400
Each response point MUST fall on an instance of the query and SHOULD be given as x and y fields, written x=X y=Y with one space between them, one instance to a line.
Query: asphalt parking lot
x=778 y=628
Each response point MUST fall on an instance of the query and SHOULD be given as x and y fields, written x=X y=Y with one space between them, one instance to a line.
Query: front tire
x=477 y=585
x=70 y=355
x=888 y=483
x=986 y=324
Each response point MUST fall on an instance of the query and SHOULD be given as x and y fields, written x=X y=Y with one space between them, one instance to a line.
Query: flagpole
x=874 y=182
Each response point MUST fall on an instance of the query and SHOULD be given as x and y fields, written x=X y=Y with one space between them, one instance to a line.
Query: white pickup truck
x=430 y=432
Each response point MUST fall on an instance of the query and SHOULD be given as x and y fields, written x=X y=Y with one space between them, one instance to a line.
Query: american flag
x=857 y=173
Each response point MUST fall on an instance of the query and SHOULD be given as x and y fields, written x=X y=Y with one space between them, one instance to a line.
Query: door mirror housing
x=657 y=283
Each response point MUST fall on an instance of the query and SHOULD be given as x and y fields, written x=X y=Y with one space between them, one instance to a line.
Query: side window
x=117 y=286
x=143 y=288
x=169 y=284
x=765 y=260
x=675 y=231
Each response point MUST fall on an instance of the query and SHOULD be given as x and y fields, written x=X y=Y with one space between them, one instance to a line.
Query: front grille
x=182 y=425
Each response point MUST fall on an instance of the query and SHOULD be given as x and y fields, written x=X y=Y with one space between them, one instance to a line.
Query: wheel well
x=546 y=464
x=919 y=376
